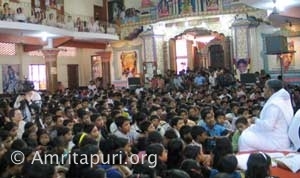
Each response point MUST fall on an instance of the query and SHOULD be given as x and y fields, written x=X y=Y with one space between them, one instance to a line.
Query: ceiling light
x=44 y=35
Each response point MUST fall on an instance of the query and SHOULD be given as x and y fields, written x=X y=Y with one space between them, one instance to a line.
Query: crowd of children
x=191 y=131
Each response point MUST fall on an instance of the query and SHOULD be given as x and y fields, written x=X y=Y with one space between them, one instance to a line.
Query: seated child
x=241 y=124
x=228 y=165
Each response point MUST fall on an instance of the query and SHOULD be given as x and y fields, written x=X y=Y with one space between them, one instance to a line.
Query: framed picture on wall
x=212 y=5
x=10 y=77
x=128 y=60
x=96 y=66
x=115 y=9
x=289 y=60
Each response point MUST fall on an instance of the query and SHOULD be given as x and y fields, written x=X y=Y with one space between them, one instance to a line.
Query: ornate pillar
x=153 y=51
x=240 y=30
x=241 y=43
x=50 y=56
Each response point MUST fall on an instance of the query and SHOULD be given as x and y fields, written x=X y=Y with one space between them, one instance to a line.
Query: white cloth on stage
x=270 y=132
x=294 y=131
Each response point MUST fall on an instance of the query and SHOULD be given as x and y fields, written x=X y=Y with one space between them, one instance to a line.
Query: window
x=181 y=55
x=37 y=74
x=7 y=49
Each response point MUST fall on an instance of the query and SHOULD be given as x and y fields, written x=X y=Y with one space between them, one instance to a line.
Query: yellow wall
x=82 y=58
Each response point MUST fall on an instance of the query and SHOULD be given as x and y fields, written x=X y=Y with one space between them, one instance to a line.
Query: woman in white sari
x=270 y=131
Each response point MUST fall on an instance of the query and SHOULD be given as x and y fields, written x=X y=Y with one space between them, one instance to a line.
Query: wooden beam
x=6 y=38
x=85 y=44
x=61 y=41
x=28 y=48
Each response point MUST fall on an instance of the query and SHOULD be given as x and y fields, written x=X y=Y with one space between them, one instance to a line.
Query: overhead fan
x=289 y=17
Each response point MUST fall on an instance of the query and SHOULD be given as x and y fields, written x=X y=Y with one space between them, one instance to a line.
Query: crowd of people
x=193 y=123
x=51 y=18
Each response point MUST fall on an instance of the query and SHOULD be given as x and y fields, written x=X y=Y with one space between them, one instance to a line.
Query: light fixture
x=186 y=23
x=44 y=35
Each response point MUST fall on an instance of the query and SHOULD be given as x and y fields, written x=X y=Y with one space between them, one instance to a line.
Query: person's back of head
x=191 y=151
x=258 y=165
x=38 y=170
x=227 y=164
x=197 y=131
x=192 y=167
x=154 y=137
x=223 y=175
x=274 y=84
x=176 y=173
x=90 y=172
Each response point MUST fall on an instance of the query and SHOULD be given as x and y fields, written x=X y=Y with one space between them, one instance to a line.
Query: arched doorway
x=197 y=48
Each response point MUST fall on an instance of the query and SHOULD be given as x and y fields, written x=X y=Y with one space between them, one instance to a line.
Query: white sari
x=270 y=132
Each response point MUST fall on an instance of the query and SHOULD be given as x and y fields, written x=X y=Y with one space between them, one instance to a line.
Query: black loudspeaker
x=134 y=82
x=276 y=45
x=248 y=78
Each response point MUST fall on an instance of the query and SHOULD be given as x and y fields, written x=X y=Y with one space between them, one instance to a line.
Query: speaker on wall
x=276 y=45
x=248 y=78
x=134 y=82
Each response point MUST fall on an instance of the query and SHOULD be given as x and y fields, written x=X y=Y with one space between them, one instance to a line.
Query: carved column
x=153 y=50
x=241 y=43
x=50 y=56
x=240 y=30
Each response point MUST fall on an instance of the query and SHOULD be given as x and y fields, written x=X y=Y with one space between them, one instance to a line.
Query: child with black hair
x=43 y=139
x=195 y=152
x=228 y=165
x=93 y=131
x=241 y=124
x=8 y=168
x=192 y=167
x=176 y=173
x=30 y=138
x=175 y=157
x=222 y=148
x=214 y=130
x=6 y=139
x=12 y=129
x=222 y=120
x=160 y=157
x=67 y=136
x=185 y=134
x=169 y=135
x=200 y=137
x=258 y=166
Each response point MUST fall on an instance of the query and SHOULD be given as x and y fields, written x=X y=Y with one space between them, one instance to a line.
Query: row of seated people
x=56 y=20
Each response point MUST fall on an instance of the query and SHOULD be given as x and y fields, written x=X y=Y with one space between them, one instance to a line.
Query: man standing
x=270 y=131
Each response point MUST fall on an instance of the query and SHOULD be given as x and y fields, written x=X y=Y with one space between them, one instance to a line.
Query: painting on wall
x=96 y=67
x=43 y=6
x=212 y=5
x=128 y=60
x=116 y=11
x=289 y=60
x=10 y=77
x=242 y=65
